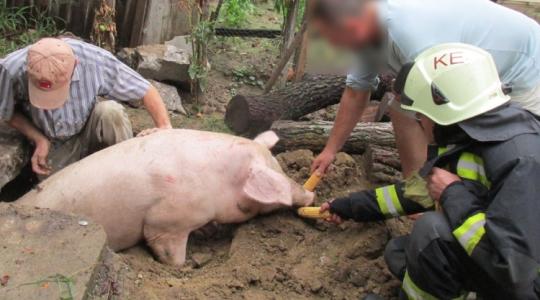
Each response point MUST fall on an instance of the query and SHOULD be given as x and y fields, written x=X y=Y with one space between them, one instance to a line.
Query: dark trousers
x=438 y=264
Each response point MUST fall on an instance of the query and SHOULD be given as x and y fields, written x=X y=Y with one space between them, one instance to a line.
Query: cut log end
x=237 y=116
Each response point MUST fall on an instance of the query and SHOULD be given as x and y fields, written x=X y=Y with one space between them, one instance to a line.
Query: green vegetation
x=65 y=285
x=20 y=26
x=202 y=34
x=235 y=12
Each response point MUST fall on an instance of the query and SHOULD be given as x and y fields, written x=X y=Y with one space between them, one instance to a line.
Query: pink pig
x=163 y=186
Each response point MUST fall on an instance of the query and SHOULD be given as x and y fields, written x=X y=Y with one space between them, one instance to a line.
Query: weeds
x=65 y=285
x=21 y=26
x=235 y=12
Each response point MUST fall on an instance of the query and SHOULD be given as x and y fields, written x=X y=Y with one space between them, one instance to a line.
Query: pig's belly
x=118 y=208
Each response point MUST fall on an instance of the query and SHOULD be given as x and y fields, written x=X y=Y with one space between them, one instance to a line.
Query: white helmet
x=450 y=83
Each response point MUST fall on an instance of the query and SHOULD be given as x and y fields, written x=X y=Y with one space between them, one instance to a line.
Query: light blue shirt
x=416 y=25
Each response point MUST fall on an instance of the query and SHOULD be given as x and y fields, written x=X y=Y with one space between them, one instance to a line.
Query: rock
x=163 y=63
x=315 y=286
x=48 y=255
x=182 y=42
x=128 y=56
x=170 y=96
x=201 y=259
x=14 y=154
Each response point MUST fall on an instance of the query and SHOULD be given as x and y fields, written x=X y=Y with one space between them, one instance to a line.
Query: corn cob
x=313 y=213
x=312 y=182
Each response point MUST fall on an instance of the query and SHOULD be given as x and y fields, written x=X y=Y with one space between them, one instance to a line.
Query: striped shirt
x=98 y=73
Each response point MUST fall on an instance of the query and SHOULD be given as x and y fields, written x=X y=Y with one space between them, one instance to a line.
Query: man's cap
x=50 y=65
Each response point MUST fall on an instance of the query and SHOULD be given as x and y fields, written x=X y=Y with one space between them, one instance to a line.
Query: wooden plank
x=138 y=22
x=300 y=57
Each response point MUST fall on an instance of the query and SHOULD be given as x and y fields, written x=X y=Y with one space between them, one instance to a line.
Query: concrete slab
x=47 y=255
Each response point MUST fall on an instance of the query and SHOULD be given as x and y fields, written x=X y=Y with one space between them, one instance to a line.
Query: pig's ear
x=268 y=139
x=267 y=186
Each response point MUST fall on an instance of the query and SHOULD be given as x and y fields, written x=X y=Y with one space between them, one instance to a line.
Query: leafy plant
x=235 y=12
x=201 y=35
x=282 y=6
x=20 y=26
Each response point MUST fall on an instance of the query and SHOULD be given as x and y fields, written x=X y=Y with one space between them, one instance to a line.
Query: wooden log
x=313 y=135
x=250 y=115
x=382 y=164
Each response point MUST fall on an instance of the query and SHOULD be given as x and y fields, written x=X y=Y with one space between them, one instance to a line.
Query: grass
x=65 y=285
x=21 y=26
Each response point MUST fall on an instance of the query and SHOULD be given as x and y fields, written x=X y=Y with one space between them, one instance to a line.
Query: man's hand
x=322 y=163
x=334 y=218
x=39 y=160
x=152 y=131
x=438 y=181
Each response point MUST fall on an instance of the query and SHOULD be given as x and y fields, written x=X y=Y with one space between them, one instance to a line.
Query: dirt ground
x=279 y=256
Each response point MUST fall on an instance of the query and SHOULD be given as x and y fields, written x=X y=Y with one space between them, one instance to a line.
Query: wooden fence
x=139 y=21
x=530 y=8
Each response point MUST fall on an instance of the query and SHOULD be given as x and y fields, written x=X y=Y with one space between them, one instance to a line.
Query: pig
x=161 y=187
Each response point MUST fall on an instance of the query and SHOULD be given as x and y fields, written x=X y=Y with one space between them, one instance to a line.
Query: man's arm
x=39 y=159
x=156 y=108
x=353 y=104
x=125 y=84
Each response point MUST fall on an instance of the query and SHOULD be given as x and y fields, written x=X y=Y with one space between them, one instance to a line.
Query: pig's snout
x=301 y=196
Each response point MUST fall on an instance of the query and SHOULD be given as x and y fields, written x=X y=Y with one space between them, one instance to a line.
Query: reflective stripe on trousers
x=413 y=292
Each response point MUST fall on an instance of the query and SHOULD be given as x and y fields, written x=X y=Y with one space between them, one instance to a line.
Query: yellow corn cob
x=312 y=182
x=313 y=213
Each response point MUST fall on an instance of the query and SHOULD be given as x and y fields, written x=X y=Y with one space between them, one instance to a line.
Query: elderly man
x=386 y=34
x=49 y=92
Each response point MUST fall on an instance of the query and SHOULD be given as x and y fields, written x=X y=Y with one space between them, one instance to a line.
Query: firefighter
x=480 y=185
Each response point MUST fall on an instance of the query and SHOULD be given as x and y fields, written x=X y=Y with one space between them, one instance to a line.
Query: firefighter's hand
x=438 y=181
x=333 y=218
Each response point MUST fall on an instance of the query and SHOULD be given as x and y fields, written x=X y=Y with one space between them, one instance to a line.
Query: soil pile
x=279 y=256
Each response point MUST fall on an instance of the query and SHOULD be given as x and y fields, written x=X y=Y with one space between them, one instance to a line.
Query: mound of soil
x=278 y=256
x=345 y=176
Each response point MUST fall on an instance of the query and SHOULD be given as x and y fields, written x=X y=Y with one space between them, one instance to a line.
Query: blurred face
x=352 y=33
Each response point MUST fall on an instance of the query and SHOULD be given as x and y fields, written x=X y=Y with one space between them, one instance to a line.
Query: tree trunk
x=250 y=115
x=313 y=135
x=382 y=164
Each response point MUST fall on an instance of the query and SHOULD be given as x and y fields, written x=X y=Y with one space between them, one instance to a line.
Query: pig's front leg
x=167 y=226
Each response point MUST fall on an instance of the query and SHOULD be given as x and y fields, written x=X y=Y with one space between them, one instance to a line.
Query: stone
x=164 y=63
x=315 y=286
x=128 y=56
x=48 y=255
x=14 y=154
x=182 y=42
x=170 y=96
